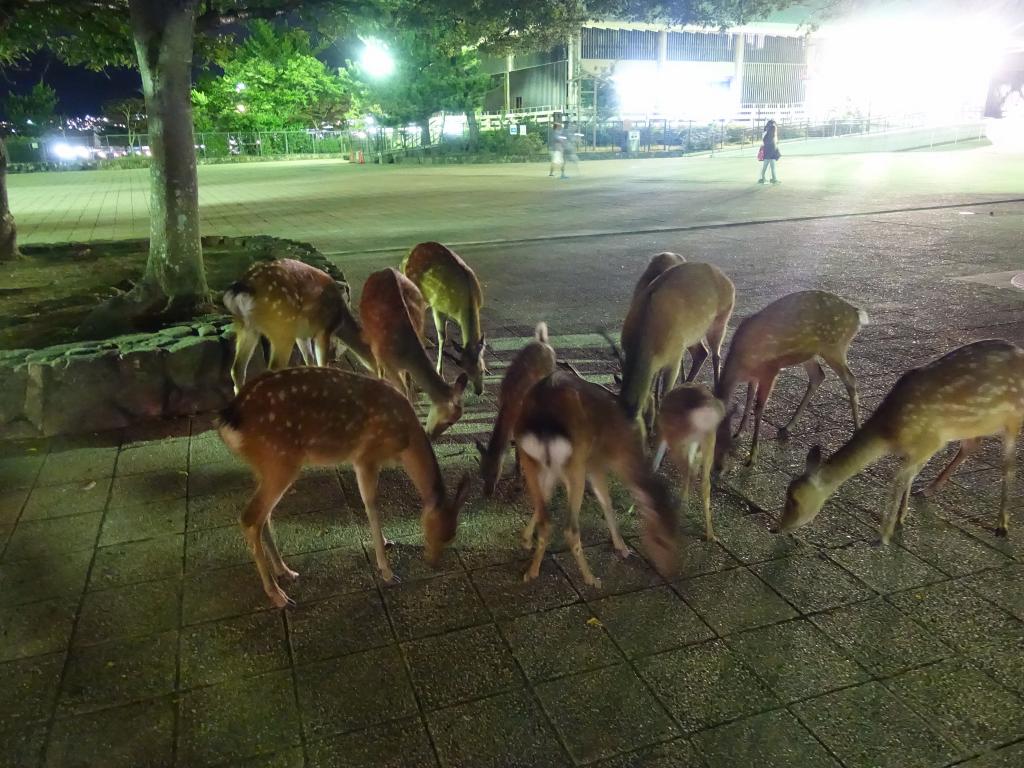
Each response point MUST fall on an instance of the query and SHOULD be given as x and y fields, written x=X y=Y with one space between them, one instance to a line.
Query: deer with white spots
x=531 y=364
x=683 y=307
x=289 y=301
x=687 y=421
x=794 y=330
x=452 y=290
x=392 y=311
x=972 y=392
x=570 y=430
x=324 y=416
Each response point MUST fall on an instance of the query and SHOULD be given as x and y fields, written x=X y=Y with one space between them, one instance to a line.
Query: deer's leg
x=715 y=336
x=748 y=407
x=306 y=350
x=842 y=369
x=1009 y=478
x=440 y=325
x=698 y=354
x=901 y=492
x=281 y=345
x=815 y=375
x=764 y=391
x=246 y=340
x=599 y=484
x=272 y=484
x=322 y=348
x=575 y=484
x=281 y=570
x=539 y=522
x=366 y=478
x=707 y=459
x=967 y=447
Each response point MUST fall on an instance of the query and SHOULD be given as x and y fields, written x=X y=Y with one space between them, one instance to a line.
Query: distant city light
x=376 y=60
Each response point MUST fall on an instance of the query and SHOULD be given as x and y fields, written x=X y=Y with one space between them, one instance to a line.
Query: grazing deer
x=685 y=305
x=531 y=364
x=289 y=301
x=972 y=392
x=392 y=310
x=300 y=416
x=794 y=330
x=570 y=430
x=452 y=291
x=687 y=421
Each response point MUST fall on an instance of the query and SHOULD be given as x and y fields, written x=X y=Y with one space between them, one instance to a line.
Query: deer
x=570 y=430
x=686 y=305
x=531 y=364
x=288 y=419
x=687 y=422
x=451 y=290
x=289 y=301
x=797 y=329
x=392 y=311
x=975 y=391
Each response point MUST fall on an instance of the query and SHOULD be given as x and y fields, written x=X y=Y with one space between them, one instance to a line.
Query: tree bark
x=8 y=232
x=425 y=132
x=163 y=32
x=474 y=128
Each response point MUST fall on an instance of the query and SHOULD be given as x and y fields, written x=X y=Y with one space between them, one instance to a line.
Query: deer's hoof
x=625 y=553
x=1001 y=532
x=288 y=574
x=783 y=433
x=281 y=600
x=390 y=579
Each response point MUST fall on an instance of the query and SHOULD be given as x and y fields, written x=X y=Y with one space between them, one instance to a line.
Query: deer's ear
x=461 y=382
x=480 y=447
x=814 y=458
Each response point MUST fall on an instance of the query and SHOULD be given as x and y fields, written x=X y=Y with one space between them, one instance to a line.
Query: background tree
x=32 y=113
x=130 y=113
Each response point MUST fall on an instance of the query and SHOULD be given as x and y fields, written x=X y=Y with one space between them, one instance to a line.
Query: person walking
x=769 y=151
x=556 y=145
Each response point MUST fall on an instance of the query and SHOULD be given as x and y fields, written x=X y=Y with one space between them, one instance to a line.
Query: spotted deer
x=531 y=364
x=794 y=330
x=570 y=430
x=289 y=301
x=972 y=392
x=392 y=311
x=292 y=418
x=686 y=305
x=452 y=290
x=687 y=421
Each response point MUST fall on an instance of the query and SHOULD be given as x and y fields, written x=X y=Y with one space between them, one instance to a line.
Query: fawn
x=452 y=291
x=300 y=416
x=683 y=306
x=687 y=421
x=392 y=310
x=571 y=430
x=793 y=330
x=974 y=391
x=289 y=301
x=531 y=364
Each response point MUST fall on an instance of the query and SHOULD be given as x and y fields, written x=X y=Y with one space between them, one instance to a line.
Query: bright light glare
x=376 y=60
x=240 y=107
x=454 y=125
x=239 y=87
x=693 y=90
x=67 y=152
x=905 y=65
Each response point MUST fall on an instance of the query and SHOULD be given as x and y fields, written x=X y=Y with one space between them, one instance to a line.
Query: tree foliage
x=129 y=113
x=32 y=113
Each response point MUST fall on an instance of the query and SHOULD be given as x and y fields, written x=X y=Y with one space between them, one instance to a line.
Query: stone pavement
x=133 y=630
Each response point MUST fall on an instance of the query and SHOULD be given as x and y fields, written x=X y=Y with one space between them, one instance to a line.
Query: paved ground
x=133 y=630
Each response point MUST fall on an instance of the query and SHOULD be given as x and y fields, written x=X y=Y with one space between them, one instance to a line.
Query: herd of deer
x=567 y=429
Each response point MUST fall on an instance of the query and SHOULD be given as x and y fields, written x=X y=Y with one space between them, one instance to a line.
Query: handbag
x=760 y=153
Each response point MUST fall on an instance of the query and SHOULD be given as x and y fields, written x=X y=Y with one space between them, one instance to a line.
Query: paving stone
x=338 y=626
x=616 y=575
x=209 y=449
x=54 y=537
x=885 y=568
x=231 y=649
x=143 y=522
x=750 y=538
x=796 y=660
x=678 y=753
x=812 y=583
x=491 y=536
x=946 y=547
x=11 y=503
x=28 y=689
x=500 y=732
x=147 y=488
x=1007 y=757
x=765 y=488
x=131 y=611
x=316 y=530
x=705 y=685
x=22 y=746
x=329 y=572
x=770 y=740
x=650 y=621
x=289 y=758
x=214 y=548
x=222 y=593
x=407 y=561
x=36 y=628
x=161 y=455
x=402 y=744
x=485 y=666
x=355 y=692
x=1002 y=586
x=734 y=600
x=135 y=561
x=217 y=510
x=868 y=727
x=697 y=557
x=140 y=734
x=836 y=529
x=18 y=472
x=78 y=466
x=220 y=477
x=556 y=642
x=963 y=703
x=29 y=581
x=880 y=637
x=430 y=606
x=506 y=594
x=112 y=674
x=237 y=719
x=595 y=725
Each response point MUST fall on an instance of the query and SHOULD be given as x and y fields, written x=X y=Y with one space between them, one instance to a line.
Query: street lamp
x=376 y=60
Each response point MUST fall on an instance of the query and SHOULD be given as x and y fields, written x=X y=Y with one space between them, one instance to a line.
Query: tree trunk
x=425 y=132
x=474 y=129
x=163 y=31
x=8 y=233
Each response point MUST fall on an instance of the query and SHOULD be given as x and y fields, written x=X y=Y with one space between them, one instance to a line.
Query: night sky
x=80 y=91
